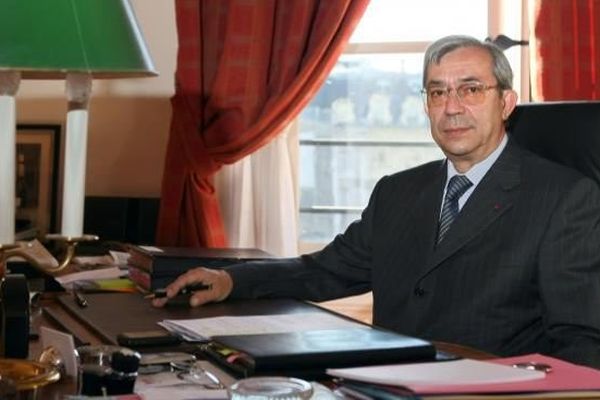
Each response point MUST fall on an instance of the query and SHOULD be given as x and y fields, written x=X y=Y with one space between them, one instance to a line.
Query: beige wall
x=129 y=118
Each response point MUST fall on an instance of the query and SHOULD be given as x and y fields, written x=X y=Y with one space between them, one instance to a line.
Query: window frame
x=497 y=23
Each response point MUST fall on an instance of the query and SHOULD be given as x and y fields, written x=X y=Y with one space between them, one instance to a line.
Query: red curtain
x=244 y=70
x=567 y=33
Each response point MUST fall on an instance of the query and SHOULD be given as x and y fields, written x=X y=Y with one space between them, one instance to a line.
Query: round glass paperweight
x=270 y=388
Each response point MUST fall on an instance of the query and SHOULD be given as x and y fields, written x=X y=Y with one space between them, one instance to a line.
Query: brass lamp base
x=27 y=250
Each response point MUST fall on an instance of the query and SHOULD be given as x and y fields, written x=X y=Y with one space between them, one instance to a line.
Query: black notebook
x=307 y=354
x=152 y=267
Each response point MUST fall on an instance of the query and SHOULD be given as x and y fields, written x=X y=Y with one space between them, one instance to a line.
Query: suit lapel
x=492 y=197
x=426 y=210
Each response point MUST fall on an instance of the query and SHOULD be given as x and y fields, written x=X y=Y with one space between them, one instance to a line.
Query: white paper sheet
x=101 y=273
x=459 y=372
x=64 y=344
x=204 y=328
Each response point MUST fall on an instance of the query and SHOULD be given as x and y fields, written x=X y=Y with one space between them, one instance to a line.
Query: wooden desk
x=56 y=316
x=70 y=323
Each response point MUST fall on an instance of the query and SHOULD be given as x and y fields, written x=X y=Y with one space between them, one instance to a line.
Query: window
x=368 y=120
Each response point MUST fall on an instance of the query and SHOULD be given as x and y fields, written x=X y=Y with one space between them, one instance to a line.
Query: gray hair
x=438 y=49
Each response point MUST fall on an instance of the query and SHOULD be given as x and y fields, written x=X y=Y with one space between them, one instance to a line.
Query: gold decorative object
x=4 y=248
x=28 y=375
x=40 y=258
x=51 y=356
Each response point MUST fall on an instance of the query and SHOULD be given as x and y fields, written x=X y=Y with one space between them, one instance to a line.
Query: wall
x=129 y=118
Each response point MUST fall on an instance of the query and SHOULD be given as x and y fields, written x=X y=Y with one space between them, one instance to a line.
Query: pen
x=80 y=299
x=187 y=290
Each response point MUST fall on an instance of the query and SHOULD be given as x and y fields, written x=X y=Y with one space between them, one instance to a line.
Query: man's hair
x=438 y=49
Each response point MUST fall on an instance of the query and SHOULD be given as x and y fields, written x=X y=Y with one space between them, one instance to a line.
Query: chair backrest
x=565 y=132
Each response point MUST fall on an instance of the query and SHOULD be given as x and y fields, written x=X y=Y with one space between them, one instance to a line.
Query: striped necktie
x=456 y=187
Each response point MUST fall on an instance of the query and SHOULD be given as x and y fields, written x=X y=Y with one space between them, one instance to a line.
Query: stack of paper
x=97 y=279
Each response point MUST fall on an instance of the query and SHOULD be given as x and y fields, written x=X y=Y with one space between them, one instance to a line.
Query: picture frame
x=37 y=176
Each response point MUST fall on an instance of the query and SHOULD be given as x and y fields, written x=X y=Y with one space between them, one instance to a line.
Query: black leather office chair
x=565 y=132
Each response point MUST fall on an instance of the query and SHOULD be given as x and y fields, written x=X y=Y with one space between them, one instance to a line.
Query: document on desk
x=202 y=329
x=67 y=281
x=457 y=372
x=495 y=376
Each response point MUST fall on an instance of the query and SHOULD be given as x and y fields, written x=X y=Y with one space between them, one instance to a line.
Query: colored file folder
x=565 y=378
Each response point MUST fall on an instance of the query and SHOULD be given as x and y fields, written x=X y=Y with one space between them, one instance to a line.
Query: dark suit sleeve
x=570 y=275
x=342 y=268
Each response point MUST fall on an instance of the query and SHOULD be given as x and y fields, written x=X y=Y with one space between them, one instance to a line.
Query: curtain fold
x=259 y=197
x=244 y=70
x=566 y=48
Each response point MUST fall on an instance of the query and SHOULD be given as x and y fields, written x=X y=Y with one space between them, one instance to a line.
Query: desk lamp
x=75 y=40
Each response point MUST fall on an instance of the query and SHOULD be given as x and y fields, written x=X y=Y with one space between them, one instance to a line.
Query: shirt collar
x=478 y=171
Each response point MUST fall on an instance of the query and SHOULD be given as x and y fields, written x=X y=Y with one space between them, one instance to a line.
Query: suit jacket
x=518 y=271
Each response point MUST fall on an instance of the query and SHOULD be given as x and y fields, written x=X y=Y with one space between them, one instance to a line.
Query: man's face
x=467 y=133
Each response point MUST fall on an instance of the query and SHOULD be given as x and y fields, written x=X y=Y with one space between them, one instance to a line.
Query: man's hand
x=219 y=281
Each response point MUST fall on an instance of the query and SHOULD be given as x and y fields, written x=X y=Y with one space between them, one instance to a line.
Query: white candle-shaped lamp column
x=79 y=87
x=9 y=84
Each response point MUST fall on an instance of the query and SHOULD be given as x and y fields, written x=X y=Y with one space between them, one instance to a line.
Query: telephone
x=14 y=316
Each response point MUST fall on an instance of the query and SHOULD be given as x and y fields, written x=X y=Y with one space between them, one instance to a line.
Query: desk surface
x=59 y=312
x=100 y=322
x=106 y=313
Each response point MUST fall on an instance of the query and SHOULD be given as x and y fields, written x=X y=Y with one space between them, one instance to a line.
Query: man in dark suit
x=504 y=258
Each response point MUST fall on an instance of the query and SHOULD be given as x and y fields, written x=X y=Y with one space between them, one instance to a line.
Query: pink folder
x=564 y=376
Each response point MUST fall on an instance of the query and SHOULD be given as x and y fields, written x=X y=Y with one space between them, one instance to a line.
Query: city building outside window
x=368 y=119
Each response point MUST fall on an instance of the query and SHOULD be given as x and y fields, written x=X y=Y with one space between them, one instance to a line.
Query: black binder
x=308 y=353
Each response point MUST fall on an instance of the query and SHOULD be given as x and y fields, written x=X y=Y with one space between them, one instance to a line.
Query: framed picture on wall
x=37 y=175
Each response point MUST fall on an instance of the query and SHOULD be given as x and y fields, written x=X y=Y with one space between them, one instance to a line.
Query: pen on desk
x=80 y=299
x=196 y=287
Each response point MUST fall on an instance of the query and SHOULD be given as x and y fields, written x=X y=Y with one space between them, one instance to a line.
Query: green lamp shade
x=46 y=39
